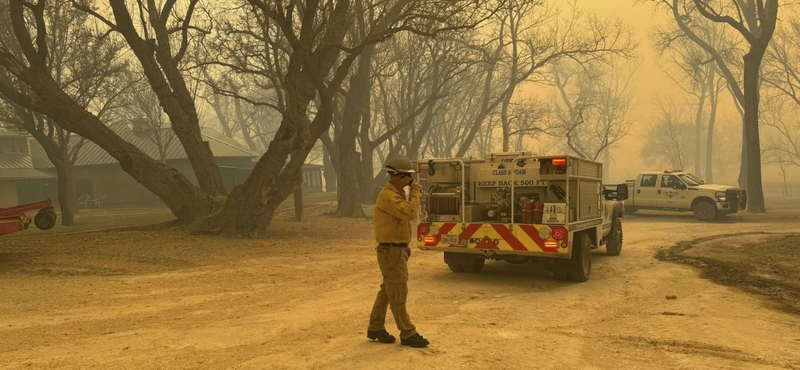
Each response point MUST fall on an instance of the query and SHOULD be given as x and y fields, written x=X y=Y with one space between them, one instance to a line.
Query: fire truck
x=519 y=207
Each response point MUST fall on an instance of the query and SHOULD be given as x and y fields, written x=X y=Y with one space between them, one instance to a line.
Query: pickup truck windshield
x=690 y=180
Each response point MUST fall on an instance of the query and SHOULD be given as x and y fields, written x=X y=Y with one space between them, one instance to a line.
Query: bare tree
x=85 y=67
x=591 y=107
x=41 y=93
x=755 y=23
x=670 y=139
x=582 y=37
x=698 y=76
x=160 y=35
x=143 y=110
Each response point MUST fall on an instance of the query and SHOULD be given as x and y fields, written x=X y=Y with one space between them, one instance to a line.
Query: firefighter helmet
x=400 y=165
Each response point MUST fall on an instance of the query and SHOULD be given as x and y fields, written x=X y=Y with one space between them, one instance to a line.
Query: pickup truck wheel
x=580 y=266
x=630 y=210
x=614 y=244
x=705 y=211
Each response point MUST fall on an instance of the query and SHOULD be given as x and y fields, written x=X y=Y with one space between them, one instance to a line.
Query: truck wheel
x=45 y=219
x=705 y=211
x=614 y=244
x=474 y=264
x=630 y=210
x=580 y=265
x=455 y=267
x=454 y=261
x=463 y=262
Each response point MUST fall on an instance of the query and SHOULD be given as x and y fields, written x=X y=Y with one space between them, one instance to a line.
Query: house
x=26 y=174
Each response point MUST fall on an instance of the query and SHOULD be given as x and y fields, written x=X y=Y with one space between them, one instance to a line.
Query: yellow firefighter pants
x=393 y=262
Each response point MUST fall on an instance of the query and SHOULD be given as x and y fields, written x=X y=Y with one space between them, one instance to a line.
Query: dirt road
x=168 y=300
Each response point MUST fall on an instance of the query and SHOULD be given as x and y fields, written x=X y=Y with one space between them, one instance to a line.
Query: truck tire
x=630 y=210
x=475 y=265
x=705 y=211
x=461 y=262
x=45 y=219
x=580 y=265
x=455 y=267
x=614 y=243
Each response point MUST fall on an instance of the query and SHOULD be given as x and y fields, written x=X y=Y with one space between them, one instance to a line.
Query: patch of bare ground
x=757 y=262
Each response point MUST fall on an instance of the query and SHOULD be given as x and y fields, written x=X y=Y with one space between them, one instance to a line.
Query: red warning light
x=559 y=161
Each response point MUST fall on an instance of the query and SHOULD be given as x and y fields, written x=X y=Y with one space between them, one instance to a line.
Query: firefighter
x=393 y=214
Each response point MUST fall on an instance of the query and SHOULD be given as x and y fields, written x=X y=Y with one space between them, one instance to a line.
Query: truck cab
x=681 y=191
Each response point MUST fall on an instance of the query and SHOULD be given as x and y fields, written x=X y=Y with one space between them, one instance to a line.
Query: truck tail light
x=558 y=233
x=422 y=229
x=429 y=240
x=559 y=161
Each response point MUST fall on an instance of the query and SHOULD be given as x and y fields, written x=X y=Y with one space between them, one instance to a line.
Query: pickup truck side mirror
x=622 y=192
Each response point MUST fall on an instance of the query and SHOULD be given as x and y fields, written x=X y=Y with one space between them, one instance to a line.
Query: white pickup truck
x=681 y=191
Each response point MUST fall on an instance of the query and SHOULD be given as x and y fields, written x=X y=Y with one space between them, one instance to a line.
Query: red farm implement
x=14 y=219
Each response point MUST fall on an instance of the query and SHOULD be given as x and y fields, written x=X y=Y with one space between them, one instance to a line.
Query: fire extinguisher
x=527 y=212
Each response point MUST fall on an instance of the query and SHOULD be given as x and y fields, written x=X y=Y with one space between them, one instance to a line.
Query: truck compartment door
x=646 y=191
x=671 y=192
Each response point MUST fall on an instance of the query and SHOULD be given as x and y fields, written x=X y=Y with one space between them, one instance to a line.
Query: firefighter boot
x=382 y=336
x=416 y=341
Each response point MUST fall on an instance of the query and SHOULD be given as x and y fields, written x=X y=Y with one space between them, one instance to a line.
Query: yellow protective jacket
x=393 y=214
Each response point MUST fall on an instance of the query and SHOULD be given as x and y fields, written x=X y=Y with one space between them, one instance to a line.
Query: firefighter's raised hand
x=415 y=186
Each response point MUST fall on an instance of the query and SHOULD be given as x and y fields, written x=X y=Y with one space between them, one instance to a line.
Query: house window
x=14 y=146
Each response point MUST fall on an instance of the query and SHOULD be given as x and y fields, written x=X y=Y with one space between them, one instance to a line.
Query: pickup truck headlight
x=720 y=196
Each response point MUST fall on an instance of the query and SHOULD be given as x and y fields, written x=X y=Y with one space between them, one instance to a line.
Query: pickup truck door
x=672 y=192
x=646 y=191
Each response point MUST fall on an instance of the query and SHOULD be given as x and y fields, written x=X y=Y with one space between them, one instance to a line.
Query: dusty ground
x=757 y=262
x=168 y=300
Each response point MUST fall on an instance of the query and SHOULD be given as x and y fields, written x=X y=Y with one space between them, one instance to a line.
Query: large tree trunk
x=67 y=196
x=712 y=118
x=351 y=193
x=249 y=208
x=329 y=171
x=755 y=192
x=698 y=131
x=349 y=185
x=367 y=150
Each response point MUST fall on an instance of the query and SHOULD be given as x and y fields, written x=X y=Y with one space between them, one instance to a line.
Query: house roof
x=24 y=173
x=15 y=161
x=91 y=154
x=7 y=133
x=27 y=166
